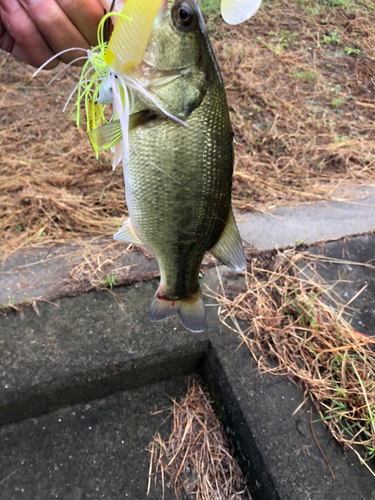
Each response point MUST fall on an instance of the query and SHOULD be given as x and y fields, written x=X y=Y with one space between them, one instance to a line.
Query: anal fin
x=228 y=249
x=127 y=233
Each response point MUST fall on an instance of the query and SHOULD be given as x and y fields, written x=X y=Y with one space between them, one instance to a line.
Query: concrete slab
x=45 y=273
x=88 y=348
x=88 y=451
x=286 y=226
x=350 y=277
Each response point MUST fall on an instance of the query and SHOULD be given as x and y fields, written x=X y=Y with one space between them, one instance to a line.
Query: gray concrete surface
x=45 y=273
x=89 y=350
x=286 y=226
x=86 y=451
x=350 y=279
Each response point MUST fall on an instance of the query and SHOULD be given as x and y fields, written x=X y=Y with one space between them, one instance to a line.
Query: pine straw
x=294 y=145
x=296 y=319
x=198 y=458
x=302 y=109
x=52 y=189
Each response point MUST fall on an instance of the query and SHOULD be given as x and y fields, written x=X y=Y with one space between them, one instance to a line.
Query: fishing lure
x=232 y=11
x=106 y=77
x=238 y=11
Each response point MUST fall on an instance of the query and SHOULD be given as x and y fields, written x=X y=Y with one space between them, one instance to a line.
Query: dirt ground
x=300 y=83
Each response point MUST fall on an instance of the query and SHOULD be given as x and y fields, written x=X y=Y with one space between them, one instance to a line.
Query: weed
x=350 y=51
x=338 y=139
x=278 y=49
x=289 y=317
x=336 y=103
x=320 y=6
x=333 y=38
x=336 y=89
x=110 y=281
x=308 y=75
x=210 y=7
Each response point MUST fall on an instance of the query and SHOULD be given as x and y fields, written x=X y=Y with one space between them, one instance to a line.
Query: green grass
x=210 y=7
x=319 y=6
x=110 y=281
x=307 y=76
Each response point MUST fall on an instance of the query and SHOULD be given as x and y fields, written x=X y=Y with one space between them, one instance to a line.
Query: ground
x=300 y=86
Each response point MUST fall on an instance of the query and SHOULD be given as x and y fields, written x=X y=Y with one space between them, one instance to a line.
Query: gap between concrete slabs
x=90 y=337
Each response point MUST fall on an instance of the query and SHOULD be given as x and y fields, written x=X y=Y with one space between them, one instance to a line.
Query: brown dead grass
x=197 y=461
x=52 y=189
x=302 y=111
x=289 y=316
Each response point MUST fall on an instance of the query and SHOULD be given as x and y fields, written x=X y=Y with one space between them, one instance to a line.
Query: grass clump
x=291 y=317
x=308 y=75
x=198 y=458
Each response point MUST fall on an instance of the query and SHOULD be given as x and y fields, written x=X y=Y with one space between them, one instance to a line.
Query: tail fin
x=191 y=311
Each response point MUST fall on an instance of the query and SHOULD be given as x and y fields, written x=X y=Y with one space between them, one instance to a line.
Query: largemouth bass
x=178 y=178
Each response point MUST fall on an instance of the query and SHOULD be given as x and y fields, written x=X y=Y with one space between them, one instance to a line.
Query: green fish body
x=178 y=178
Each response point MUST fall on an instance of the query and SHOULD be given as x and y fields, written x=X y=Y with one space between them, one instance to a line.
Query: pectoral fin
x=127 y=233
x=106 y=136
x=228 y=249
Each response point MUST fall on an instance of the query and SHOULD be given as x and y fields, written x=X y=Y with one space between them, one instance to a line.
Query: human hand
x=36 y=30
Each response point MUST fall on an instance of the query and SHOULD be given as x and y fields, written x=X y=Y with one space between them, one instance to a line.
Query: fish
x=178 y=176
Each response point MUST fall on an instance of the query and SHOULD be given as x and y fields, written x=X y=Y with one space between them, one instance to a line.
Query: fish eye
x=182 y=16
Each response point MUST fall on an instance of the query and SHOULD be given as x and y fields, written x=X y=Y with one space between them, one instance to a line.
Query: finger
x=6 y=42
x=57 y=29
x=2 y=28
x=22 y=38
x=85 y=15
